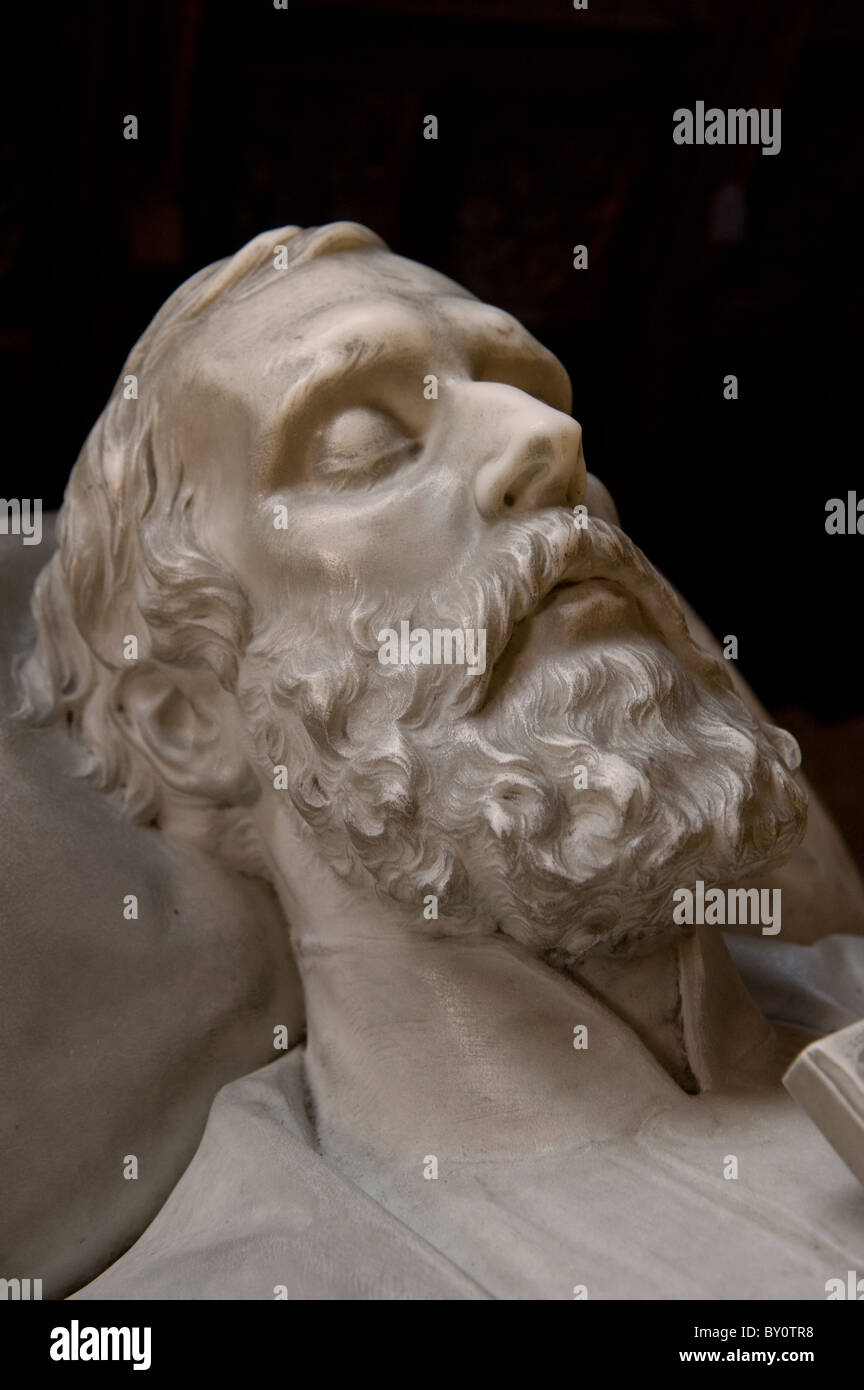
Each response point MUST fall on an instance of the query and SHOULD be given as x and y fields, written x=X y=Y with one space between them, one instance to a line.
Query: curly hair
x=129 y=562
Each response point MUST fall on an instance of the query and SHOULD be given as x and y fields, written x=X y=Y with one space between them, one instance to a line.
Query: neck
x=417 y=1038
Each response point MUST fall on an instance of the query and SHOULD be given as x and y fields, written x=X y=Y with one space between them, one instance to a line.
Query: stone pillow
x=115 y=1033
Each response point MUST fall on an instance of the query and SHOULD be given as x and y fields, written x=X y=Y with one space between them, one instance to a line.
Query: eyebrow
x=501 y=340
x=354 y=358
x=358 y=352
x=491 y=336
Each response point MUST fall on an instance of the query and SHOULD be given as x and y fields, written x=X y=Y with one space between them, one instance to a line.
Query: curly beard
x=426 y=780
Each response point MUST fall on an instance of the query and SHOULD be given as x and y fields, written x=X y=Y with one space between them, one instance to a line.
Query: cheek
x=396 y=536
x=394 y=543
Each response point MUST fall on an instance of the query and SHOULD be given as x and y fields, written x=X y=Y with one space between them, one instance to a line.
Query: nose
x=536 y=455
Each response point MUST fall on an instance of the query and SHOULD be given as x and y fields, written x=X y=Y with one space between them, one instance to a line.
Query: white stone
x=827 y=1079
x=300 y=385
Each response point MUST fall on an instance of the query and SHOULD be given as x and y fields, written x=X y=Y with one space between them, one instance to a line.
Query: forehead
x=339 y=311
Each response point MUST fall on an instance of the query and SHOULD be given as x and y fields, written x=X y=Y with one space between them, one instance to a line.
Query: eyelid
x=404 y=442
x=389 y=417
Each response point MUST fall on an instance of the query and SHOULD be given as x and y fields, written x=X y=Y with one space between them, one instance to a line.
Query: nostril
x=508 y=499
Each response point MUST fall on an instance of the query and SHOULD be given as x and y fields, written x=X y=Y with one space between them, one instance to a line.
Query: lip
x=580 y=590
x=572 y=608
x=587 y=606
x=603 y=588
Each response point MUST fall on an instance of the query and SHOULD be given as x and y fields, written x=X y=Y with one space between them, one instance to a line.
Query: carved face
x=381 y=453
x=398 y=421
x=368 y=436
x=354 y=451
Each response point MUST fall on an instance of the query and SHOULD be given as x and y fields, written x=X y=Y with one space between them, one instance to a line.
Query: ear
x=185 y=725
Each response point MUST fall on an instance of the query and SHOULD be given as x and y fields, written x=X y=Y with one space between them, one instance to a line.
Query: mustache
x=508 y=584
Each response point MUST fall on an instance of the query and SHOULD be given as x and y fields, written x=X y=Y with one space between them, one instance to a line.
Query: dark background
x=555 y=128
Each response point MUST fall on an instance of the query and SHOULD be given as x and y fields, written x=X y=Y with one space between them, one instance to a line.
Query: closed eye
x=359 y=445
